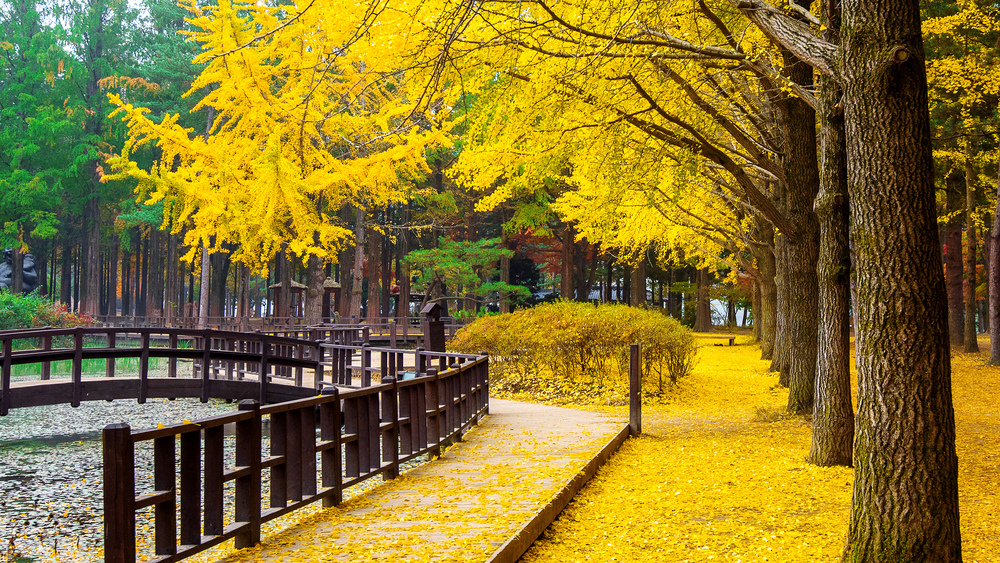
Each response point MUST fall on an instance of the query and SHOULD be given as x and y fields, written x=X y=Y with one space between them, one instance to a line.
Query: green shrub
x=33 y=311
x=581 y=343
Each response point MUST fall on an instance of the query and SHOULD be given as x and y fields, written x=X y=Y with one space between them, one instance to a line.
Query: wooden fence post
x=635 y=390
x=390 y=436
x=265 y=352
x=333 y=474
x=77 y=367
x=247 y=487
x=119 y=494
x=46 y=365
x=5 y=376
x=206 y=364
x=143 y=367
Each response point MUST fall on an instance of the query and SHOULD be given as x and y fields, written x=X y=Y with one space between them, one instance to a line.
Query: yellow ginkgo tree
x=310 y=113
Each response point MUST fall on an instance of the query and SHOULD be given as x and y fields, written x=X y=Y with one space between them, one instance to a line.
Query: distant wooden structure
x=331 y=298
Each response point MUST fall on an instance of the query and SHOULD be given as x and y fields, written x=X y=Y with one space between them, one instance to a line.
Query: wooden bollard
x=635 y=390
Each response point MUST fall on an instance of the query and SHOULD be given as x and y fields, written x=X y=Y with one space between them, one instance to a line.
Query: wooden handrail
x=385 y=425
x=209 y=347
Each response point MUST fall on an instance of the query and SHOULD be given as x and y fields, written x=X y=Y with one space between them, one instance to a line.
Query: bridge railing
x=218 y=358
x=363 y=432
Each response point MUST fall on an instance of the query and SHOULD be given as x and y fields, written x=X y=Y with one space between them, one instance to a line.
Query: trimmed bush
x=579 y=343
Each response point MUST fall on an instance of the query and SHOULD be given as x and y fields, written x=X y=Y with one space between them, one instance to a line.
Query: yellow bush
x=579 y=343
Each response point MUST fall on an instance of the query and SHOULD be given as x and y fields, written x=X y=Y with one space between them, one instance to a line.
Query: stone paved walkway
x=461 y=507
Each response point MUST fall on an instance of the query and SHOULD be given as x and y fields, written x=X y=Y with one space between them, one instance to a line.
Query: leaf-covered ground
x=719 y=475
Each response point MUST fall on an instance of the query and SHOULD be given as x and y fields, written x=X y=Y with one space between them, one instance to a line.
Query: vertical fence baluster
x=190 y=469
x=366 y=362
x=390 y=436
x=110 y=362
x=307 y=481
x=248 y=487
x=5 y=376
x=293 y=454
x=432 y=411
x=279 y=448
x=46 y=365
x=119 y=493
x=144 y=368
x=353 y=448
x=206 y=364
x=374 y=432
x=172 y=362
x=165 y=512
x=333 y=475
x=265 y=353
x=77 y=367
x=214 y=467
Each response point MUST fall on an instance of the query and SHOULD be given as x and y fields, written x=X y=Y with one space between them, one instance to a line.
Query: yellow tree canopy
x=311 y=112
x=648 y=112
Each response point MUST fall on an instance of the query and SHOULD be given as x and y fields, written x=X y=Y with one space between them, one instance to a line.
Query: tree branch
x=795 y=35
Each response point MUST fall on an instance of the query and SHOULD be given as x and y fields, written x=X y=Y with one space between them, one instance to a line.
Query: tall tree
x=905 y=505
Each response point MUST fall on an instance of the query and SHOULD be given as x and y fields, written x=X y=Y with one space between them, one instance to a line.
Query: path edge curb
x=516 y=545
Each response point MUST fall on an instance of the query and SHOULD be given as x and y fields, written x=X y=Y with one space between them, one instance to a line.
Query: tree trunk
x=994 y=281
x=566 y=284
x=220 y=264
x=127 y=309
x=113 y=255
x=703 y=311
x=833 y=412
x=285 y=279
x=780 y=360
x=90 y=287
x=315 y=277
x=172 y=292
x=953 y=259
x=357 y=275
x=206 y=282
x=637 y=284
x=755 y=308
x=374 y=244
x=65 y=275
x=971 y=342
x=905 y=505
x=154 y=295
x=797 y=122
x=143 y=281
x=768 y=318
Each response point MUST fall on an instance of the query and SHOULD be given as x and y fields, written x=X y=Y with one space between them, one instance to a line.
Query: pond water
x=51 y=472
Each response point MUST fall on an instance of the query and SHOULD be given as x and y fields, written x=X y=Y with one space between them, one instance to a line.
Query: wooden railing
x=363 y=432
x=235 y=362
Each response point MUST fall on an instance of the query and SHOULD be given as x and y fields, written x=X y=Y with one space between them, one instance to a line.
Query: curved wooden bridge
x=214 y=364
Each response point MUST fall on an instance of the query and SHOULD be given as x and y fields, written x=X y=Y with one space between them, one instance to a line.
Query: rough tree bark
x=797 y=122
x=637 y=284
x=566 y=285
x=768 y=317
x=780 y=359
x=703 y=312
x=905 y=504
x=994 y=272
x=953 y=258
x=971 y=342
x=206 y=268
x=833 y=412
x=357 y=274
